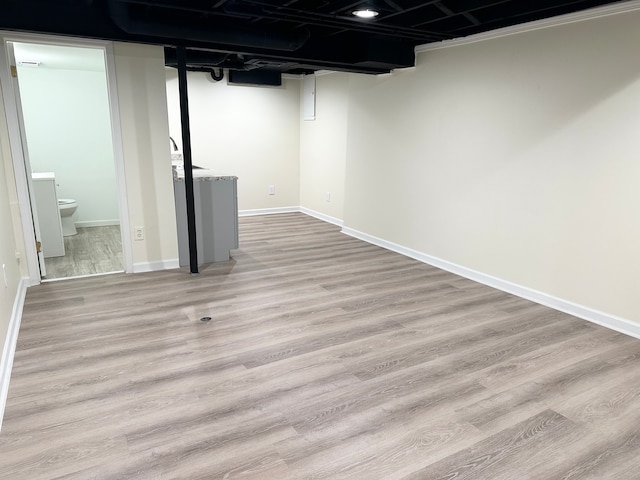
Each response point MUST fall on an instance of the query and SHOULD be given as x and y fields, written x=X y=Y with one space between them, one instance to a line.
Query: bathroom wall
x=252 y=132
x=67 y=122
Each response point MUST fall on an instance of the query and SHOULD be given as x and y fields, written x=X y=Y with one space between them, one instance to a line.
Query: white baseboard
x=9 y=349
x=97 y=223
x=306 y=211
x=142 y=267
x=321 y=216
x=267 y=211
x=612 y=322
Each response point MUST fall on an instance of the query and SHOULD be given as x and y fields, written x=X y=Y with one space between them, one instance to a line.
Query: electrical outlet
x=272 y=189
x=138 y=233
x=327 y=197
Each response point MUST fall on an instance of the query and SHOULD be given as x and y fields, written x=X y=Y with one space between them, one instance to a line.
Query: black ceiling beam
x=471 y=18
x=411 y=9
x=444 y=9
x=260 y=10
x=518 y=16
x=394 y=5
x=345 y=8
x=205 y=32
x=352 y=49
x=86 y=22
x=462 y=12
x=334 y=21
x=450 y=13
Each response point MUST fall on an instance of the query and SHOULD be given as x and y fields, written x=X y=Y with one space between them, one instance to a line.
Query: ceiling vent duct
x=255 y=77
x=211 y=33
x=195 y=58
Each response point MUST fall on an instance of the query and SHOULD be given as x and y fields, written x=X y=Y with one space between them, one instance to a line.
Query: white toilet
x=67 y=207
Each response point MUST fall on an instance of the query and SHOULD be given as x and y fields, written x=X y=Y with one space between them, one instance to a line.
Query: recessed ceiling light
x=366 y=13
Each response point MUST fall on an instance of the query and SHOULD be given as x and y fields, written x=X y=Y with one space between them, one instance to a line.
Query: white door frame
x=25 y=156
x=11 y=110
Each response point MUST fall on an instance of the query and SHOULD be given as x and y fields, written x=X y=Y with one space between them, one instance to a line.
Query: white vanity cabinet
x=48 y=214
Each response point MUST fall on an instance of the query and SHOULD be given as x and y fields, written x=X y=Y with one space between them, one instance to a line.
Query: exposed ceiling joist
x=294 y=36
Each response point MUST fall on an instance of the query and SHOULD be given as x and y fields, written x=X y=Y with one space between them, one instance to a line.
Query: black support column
x=186 y=152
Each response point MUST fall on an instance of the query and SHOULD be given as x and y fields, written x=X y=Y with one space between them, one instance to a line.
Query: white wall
x=143 y=116
x=10 y=243
x=66 y=114
x=248 y=131
x=515 y=157
x=323 y=148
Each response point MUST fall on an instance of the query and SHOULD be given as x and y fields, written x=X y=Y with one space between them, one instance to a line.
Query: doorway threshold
x=60 y=279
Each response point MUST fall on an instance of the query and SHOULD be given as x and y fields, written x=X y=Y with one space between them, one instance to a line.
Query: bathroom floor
x=93 y=250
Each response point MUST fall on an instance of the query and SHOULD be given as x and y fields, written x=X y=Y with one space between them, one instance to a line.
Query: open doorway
x=68 y=148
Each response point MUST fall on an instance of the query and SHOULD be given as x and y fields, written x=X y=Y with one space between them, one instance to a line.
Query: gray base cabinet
x=216 y=203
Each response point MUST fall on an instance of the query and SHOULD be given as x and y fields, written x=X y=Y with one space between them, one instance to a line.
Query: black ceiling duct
x=256 y=77
x=209 y=33
x=195 y=58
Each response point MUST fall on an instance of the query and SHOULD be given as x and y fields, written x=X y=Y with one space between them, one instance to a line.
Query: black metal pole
x=186 y=152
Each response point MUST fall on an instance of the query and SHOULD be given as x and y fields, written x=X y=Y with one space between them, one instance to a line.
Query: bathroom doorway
x=62 y=96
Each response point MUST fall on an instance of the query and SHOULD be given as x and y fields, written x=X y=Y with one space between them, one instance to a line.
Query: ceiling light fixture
x=366 y=13
x=29 y=63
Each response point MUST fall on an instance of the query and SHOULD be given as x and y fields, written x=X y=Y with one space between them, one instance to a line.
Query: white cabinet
x=216 y=204
x=48 y=213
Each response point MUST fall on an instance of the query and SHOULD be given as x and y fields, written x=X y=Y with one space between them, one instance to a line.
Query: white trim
x=267 y=211
x=321 y=216
x=9 y=349
x=306 y=211
x=613 y=322
x=19 y=173
x=118 y=157
x=320 y=73
x=590 y=14
x=156 y=266
x=97 y=223
x=16 y=145
x=62 y=279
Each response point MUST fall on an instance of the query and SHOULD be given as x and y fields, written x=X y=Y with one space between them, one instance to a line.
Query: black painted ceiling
x=294 y=36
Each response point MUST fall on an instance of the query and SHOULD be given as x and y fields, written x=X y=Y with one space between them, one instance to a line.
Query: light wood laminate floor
x=91 y=251
x=325 y=358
